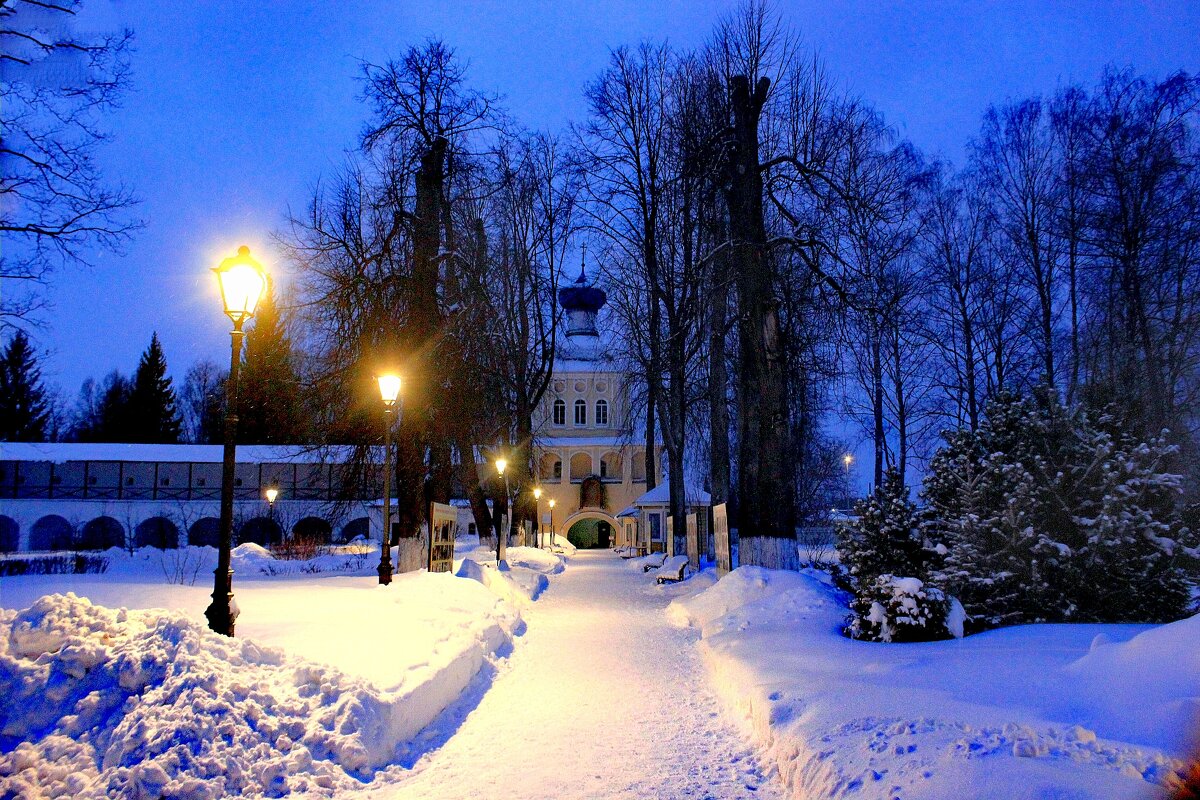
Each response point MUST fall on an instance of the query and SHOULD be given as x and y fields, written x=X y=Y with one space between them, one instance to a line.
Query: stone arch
x=205 y=532
x=550 y=467
x=581 y=466
x=51 y=532
x=588 y=515
x=101 y=533
x=157 y=532
x=10 y=535
x=260 y=530
x=313 y=529
x=610 y=466
x=359 y=526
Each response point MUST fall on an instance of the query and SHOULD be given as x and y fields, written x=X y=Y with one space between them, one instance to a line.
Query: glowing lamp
x=552 y=502
x=537 y=493
x=272 y=493
x=243 y=281
x=389 y=388
x=501 y=465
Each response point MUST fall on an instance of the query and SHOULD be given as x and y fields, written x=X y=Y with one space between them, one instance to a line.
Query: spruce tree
x=1045 y=516
x=153 y=415
x=270 y=409
x=25 y=411
x=885 y=539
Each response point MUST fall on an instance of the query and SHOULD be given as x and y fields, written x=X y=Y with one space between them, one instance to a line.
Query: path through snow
x=601 y=698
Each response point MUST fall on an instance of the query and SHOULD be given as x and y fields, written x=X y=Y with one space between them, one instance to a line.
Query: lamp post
x=389 y=390
x=551 y=523
x=242 y=281
x=501 y=465
x=537 y=509
x=847 y=460
x=270 y=494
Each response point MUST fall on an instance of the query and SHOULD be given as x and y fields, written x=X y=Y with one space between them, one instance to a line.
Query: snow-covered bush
x=892 y=609
x=1047 y=516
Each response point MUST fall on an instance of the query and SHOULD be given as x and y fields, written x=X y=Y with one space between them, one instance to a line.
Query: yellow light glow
x=272 y=493
x=389 y=388
x=537 y=493
x=552 y=502
x=847 y=460
x=243 y=281
x=501 y=465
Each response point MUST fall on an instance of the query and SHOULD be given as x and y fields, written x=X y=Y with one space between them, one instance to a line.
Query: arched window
x=639 y=466
x=560 y=411
x=581 y=412
x=581 y=467
x=610 y=466
x=550 y=467
x=602 y=413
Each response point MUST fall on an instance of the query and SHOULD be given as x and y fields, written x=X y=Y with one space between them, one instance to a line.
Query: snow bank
x=150 y=703
x=1010 y=713
x=507 y=584
x=653 y=560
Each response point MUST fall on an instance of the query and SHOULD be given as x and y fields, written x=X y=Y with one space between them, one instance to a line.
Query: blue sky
x=239 y=107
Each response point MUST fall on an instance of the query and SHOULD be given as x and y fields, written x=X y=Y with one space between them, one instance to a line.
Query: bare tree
x=55 y=206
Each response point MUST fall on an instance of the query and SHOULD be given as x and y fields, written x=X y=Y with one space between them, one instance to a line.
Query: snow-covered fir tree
x=1046 y=517
x=885 y=538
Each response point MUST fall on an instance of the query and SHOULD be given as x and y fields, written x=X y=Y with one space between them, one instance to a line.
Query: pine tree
x=270 y=408
x=102 y=414
x=885 y=539
x=152 y=409
x=25 y=411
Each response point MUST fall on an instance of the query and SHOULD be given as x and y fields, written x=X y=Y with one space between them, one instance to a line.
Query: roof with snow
x=661 y=495
x=61 y=452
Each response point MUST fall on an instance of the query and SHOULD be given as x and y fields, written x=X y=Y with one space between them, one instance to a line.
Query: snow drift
x=1024 y=712
x=112 y=702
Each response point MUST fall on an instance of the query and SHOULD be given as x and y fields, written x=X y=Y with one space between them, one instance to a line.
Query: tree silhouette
x=270 y=407
x=24 y=407
x=153 y=416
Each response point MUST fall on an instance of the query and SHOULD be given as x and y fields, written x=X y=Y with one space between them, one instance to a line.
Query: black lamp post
x=389 y=390
x=501 y=540
x=551 y=523
x=242 y=280
x=537 y=515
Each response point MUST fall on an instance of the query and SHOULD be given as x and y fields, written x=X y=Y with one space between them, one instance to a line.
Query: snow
x=331 y=679
x=1032 y=711
x=661 y=495
x=62 y=452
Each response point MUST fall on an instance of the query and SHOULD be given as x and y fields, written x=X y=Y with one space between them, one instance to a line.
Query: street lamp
x=389 y=390
x=242 y=280
x=847 y=460
x=501 y=465
x=271 y=494
x=537 y=509
x=551 y=523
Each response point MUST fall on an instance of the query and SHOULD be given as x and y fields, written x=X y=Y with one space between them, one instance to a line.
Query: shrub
x=892 y=609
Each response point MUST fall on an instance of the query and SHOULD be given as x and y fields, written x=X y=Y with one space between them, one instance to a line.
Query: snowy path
x=581 y=709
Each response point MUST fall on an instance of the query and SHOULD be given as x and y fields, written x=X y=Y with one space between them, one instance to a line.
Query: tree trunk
x=718 y=380
x=766 y=485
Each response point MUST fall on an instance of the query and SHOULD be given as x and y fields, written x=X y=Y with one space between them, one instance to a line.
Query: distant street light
x=501 y=465
x=242 y=281
x=389 y=390
x=537 y=510
x=271 y=494
x=848 y=459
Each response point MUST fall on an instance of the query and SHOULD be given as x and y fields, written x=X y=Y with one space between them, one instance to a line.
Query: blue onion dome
x=582 y=295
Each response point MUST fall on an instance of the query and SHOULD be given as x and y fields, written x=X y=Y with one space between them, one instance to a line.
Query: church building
x=587 y=456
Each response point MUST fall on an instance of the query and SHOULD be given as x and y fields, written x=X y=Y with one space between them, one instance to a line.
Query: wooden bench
x=651 y=563
x=672 y=570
